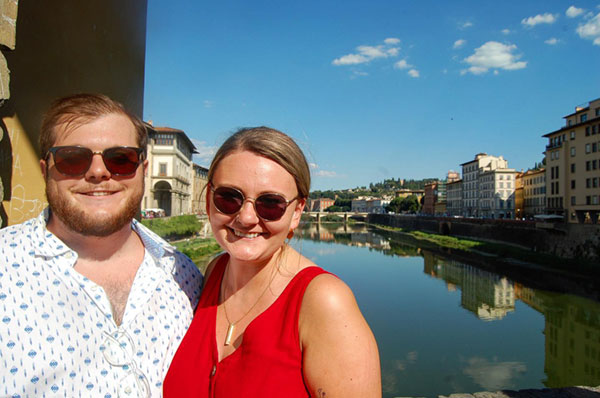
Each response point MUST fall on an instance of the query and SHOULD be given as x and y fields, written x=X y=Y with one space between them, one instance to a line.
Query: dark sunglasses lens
x=270 y=207
x=227 y=200
x=72 y=160
x=121 y=160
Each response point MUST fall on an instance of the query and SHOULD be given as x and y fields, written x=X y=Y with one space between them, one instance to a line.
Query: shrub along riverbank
x=499 y=251
x=185 y=229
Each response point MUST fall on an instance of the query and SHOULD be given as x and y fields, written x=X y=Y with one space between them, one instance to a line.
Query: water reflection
x=570 y=336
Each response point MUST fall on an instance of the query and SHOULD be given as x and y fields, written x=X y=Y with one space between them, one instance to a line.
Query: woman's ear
x=298 y=209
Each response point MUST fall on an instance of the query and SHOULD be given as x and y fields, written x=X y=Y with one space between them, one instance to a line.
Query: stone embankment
x=566 y=392
x=573 y=241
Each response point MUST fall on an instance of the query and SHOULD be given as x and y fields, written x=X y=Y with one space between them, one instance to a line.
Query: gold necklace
x=231 y=326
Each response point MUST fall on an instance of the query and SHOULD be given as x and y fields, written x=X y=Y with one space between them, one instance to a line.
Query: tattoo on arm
x=321 y=393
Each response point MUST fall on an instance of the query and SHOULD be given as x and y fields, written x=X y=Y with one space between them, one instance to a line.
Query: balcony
x=554 y=146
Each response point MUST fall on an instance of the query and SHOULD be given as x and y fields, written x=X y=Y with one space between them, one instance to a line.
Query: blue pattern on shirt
x=53 y=319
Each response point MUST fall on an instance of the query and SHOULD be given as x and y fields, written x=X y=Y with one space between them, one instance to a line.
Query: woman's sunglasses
x=76 y=160
x=268 y=206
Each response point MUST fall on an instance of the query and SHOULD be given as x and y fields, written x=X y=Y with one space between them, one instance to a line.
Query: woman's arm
x=340 y=356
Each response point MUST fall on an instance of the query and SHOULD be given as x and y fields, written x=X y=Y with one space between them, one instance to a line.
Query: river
x=444 y=326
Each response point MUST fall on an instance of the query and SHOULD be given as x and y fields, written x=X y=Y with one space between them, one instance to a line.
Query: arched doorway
x=162 y=195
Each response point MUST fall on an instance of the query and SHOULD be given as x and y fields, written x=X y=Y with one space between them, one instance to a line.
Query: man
x=92 y=303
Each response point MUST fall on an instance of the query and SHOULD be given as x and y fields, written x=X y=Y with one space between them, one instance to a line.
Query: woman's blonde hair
x=272 y=144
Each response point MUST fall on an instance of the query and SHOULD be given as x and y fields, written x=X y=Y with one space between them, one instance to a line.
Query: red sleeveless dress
x=268 y=363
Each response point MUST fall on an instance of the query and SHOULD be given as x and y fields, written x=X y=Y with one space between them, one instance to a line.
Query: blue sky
x=374 y=89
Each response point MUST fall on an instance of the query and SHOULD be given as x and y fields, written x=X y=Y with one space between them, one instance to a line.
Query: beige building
x=470 y=182
x=170 y=175
x=51 y=49
x=534 y=192
x=572 y=164
x=454 y=198
x=199 y=189
x=497 y=193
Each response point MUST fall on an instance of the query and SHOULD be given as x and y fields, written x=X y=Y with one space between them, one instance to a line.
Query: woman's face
x=244 y=235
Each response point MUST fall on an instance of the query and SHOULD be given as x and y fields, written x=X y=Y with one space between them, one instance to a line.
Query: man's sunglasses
x=76 y=160
x=268 y=206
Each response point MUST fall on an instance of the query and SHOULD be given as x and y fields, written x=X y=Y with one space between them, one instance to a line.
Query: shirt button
x=213 y=371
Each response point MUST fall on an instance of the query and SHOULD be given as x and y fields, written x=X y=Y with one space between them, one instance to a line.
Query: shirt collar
x=49 y=245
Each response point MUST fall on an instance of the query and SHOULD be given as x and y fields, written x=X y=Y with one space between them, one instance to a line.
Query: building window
x=594 y=199
x=162 y=169
x=587 y=131
x=163 y=139
x=573 y=152
x=594 y=147
x=556 y=154
x=572 y=167
x=588 y=165
x=588 y=148
x=588 y=182
x=594 y=164
x=595 y=182
x=572 y=184
x=573 y=200
x=594 y=129
x=583 y=117
x=572 y=135
x=588 y=200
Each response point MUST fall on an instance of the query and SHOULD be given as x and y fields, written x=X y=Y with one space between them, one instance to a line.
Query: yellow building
x=55 y=49
x=534 y=192
x=572 y=164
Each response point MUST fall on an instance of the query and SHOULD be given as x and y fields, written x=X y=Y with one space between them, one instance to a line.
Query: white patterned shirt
x=57 y=333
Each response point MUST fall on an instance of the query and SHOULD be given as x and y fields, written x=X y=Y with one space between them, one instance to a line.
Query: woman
x=269 y=323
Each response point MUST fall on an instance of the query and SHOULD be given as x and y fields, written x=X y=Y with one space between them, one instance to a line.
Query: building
x=170 y=175
x=572 y=164
x=496 y=193
x=470 y=185
x=377 y=205
x=405 y=193
x=199 y=189
x=534 y=193
x=321 y=204
x=430 y=198
x=50 y=50
x=519 y=202
x=454 y=198
x=359 y=205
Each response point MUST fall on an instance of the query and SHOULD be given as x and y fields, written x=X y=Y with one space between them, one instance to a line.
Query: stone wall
x=577 y=241
x=8 y=33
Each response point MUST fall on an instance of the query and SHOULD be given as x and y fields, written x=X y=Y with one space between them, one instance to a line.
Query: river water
x=444 y=326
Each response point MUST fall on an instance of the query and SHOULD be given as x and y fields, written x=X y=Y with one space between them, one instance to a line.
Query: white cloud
x=506 y=31
x=494 y=55
x=459 y=43
x=493 y=376
x=313 y=165
x=590 y=30
x=466 y=25
x=413 y=73
x=392 y=41
x=205 y=152
x=208 y=104
x=366 y=54
x=402 y=64
x=325 y=173
x=573 y=12
x=552 y=41
x=538 y=19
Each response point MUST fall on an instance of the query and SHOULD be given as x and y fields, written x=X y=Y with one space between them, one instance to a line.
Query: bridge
x=359 y=216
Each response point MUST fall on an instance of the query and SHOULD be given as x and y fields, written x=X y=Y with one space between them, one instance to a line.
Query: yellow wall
x=63 y=47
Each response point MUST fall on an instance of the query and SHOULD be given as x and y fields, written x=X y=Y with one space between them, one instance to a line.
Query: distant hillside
x=386 y=187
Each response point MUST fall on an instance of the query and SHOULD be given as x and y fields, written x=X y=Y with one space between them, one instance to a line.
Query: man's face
x=96 y=203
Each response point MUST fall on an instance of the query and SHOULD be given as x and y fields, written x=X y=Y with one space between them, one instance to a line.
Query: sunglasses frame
x=139 y=151
x=253 y=200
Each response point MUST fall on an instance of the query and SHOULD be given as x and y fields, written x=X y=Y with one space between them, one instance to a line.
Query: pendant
x=229 y=333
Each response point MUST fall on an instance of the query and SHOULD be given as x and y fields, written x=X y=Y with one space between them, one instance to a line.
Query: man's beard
x=82 y=222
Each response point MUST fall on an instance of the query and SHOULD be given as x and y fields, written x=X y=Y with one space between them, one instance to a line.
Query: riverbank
x=538 y=270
